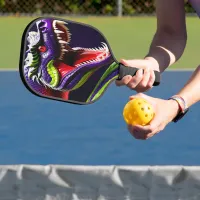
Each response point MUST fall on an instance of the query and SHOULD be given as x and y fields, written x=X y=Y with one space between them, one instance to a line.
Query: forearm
x=167 y=48
x=191 y=91
x=169 y=41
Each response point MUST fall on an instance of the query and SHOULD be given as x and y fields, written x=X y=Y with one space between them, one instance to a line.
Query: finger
x=151 y=79
x=145 y=135
x=160 y=128
x=142 y=129
x=130 y=128
x=144 y=132
x=145 y=79
x=134 y=63
x=135 y=133
x=136 y=79
x=139 y=136
x=148 y=129
x=149 y=85
x=154 y=127
x=141 y=95
x=141 y=89
x=124 y=81
x=152 y=134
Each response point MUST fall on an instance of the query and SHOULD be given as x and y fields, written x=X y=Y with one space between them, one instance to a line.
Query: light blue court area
x=41 y=131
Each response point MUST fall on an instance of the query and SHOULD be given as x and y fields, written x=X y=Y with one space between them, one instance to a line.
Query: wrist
x=175 y=107
x=154 y=63
x=180 y=107
x=163 y=56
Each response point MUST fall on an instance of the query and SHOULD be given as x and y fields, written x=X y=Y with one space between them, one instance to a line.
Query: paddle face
x=65 y=60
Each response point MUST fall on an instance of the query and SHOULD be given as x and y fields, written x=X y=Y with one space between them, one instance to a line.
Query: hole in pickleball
x=142 y=109
x=146 y=115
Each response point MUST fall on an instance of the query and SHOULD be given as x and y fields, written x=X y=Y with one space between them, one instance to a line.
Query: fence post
x=119 y=8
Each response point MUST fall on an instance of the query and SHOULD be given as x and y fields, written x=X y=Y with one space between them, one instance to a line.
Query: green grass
x=129 y=38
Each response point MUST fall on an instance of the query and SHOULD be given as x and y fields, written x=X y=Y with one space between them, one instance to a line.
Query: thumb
x=134 y=63
x=151 y=100
x=139 y=95
x=151 y=128
x=155 y=122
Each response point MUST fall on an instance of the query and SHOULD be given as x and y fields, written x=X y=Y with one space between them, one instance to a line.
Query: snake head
x=53 y=61
x=44 y=49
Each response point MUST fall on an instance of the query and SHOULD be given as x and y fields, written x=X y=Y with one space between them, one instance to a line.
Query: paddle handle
x=124 y=71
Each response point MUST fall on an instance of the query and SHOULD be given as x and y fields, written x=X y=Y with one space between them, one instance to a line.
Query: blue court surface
x=34 y=130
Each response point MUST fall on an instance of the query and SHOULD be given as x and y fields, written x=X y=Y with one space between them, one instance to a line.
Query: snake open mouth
x=77 y=56
x=55 y=63
x=92 y=55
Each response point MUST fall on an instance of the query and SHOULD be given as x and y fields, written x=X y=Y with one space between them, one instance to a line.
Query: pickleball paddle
x=68 y=61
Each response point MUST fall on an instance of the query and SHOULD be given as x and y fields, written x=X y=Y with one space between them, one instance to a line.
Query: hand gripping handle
x=123 y=71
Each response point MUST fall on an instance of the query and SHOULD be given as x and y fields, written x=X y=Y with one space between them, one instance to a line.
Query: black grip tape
x=124 y=71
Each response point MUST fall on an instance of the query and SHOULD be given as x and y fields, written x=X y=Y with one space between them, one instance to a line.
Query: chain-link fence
x=80 y=7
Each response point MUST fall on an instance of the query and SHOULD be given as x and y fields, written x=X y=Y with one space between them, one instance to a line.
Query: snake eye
x=42 y=48
x=43 y=26
x=43 y=29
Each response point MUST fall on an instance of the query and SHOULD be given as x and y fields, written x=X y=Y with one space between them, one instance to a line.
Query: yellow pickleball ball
x=138 y=112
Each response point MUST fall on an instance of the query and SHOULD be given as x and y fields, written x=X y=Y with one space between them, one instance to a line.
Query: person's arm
x=167 y=110
x=170 y=38
x=167 y=46
x=191 y=91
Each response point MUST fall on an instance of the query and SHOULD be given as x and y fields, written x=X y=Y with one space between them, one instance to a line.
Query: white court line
x=181 y=69
x=8 y=70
